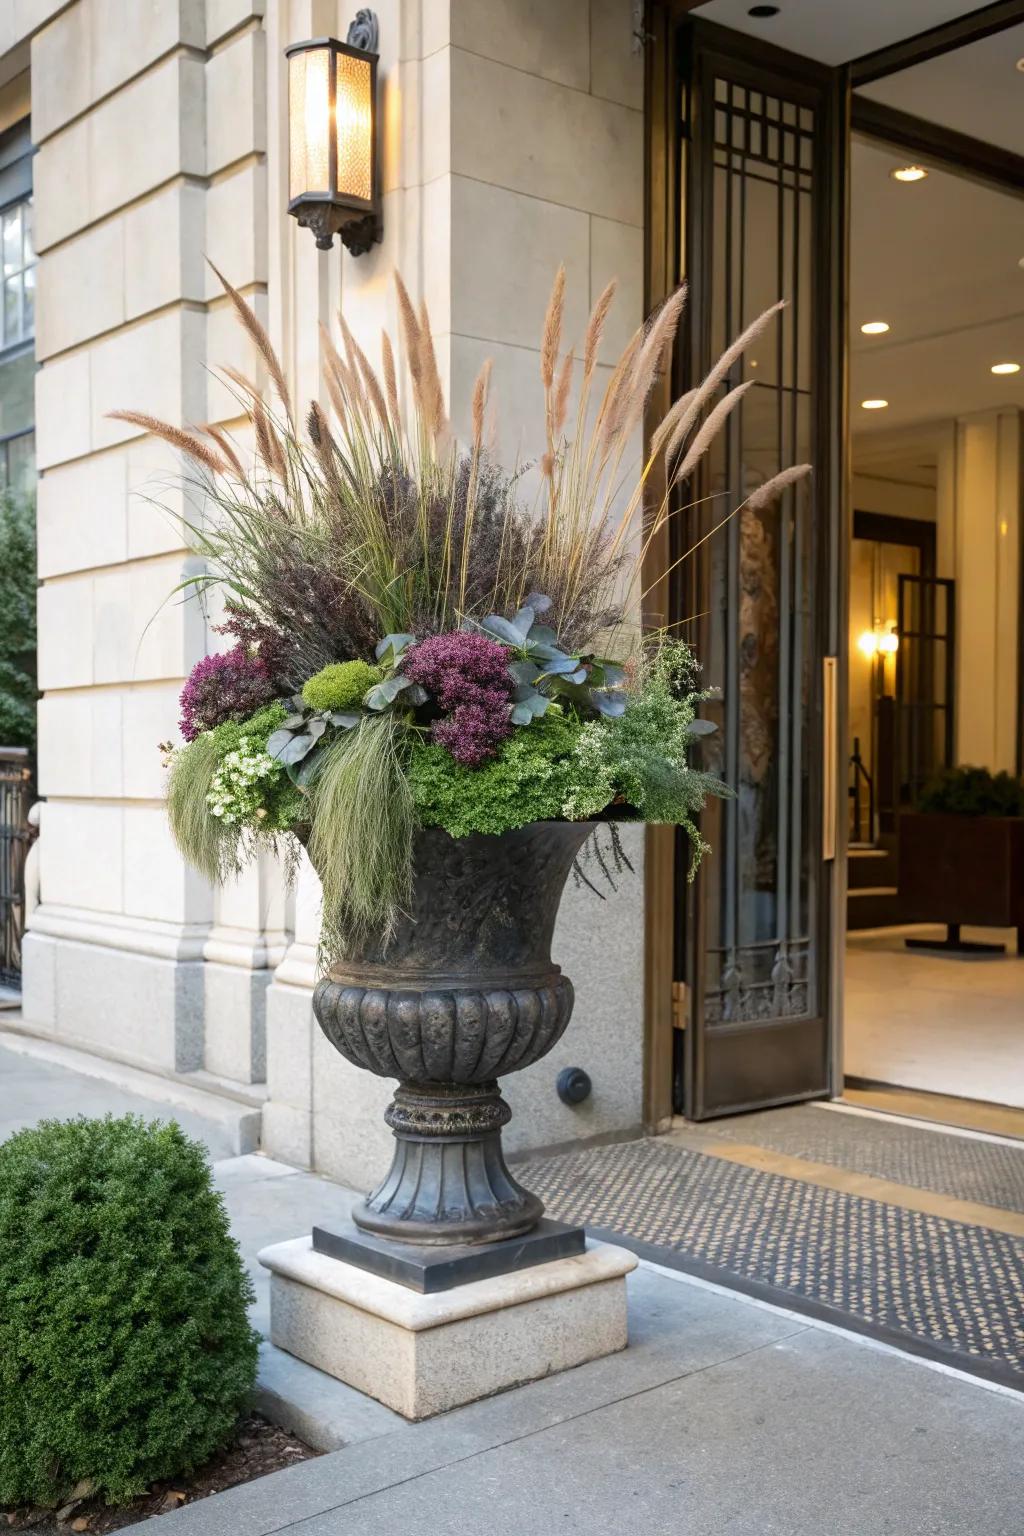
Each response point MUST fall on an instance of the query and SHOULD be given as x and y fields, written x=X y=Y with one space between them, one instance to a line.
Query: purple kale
x=468 y=680
x=229 y=686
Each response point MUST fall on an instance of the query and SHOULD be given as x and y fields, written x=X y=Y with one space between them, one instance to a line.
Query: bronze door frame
x=669 y=75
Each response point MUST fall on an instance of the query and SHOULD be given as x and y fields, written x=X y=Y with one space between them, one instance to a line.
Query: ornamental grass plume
x=365 y=531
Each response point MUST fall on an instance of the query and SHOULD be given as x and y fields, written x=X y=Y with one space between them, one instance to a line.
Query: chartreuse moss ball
x=341 y=685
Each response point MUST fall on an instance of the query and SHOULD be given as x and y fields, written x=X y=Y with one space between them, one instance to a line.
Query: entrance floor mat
x=946 y=1289
x=962 y=1167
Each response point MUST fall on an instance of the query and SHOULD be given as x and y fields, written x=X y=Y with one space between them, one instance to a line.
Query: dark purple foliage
x=231 y=686
x=468 y=679
x=281 y=654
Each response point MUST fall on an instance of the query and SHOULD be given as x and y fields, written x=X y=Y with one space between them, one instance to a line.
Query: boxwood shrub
x=125 y=1349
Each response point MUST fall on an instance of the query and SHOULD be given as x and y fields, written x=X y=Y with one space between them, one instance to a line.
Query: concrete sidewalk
x=724 y=1415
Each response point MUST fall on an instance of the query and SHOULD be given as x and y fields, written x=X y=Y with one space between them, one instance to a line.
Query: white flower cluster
x=239 y=787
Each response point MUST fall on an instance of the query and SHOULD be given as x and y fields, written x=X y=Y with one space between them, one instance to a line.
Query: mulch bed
x=258 y=1448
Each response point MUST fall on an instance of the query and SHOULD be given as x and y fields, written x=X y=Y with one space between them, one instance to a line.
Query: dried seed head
x=551 y=338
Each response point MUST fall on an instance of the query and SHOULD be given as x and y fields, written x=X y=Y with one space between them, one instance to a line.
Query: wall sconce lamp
x=333 y=167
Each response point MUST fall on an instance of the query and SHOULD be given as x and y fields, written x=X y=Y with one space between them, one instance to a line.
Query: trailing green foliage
x=213 y=844
x=641 y=756
x=967 y=791
x=126 y=1353
x=17 y=623
x=340 y=685
x=534 y=774
x=362 y=829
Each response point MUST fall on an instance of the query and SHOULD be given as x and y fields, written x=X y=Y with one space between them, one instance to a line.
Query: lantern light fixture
x=333 y=162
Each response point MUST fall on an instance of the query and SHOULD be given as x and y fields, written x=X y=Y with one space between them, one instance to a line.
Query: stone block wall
x=150 y=126
x=512 y=140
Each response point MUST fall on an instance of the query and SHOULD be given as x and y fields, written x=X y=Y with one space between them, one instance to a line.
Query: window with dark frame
x=17 y=313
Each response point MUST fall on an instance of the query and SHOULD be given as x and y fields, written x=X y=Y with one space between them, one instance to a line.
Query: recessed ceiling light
x=909 y=173
x=1006 y=367
x=1020 y=65
x=763 y=11
x=875 y=327
x=873 y=405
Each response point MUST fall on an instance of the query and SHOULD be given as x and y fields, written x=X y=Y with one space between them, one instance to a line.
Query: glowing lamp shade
x=867 y=642
x=889 y=642
x=332 y=142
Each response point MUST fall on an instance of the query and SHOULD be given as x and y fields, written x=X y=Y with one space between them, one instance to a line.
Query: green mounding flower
x=533 y=776
x=340 y=685
x=212 y=844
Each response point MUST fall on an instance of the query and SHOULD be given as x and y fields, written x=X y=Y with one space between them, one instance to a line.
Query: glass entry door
x=758 y=592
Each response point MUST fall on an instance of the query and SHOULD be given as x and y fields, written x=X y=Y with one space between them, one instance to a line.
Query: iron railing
x=15 y=836
x=862 y=783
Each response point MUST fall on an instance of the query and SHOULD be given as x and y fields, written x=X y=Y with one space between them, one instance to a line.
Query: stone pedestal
x=423 y=1354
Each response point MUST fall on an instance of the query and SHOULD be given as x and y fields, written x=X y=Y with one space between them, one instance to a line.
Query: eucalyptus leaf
x=524 y=672
x=278 y=741
x=503 y=629
x=316 y=727
x=296 y=749
x=559 y=664
x=538 y=602
x=530 y=708
x=612 y=675
x=542 y=634
x=395 y=643
x=293 y=723
x=305 y=772
x=608 y=702
x=702 y=728
x=385 y=693
x=416 y=694
x=345 y=719
x=523 y=621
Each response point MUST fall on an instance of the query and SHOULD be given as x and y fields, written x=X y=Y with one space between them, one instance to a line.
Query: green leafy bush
x=340 y=685
x=968 y=791
x=17 y=623
x=535 y=772
x=125 y=1349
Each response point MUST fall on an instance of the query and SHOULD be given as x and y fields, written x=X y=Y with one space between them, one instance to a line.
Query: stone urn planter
x=464 y=993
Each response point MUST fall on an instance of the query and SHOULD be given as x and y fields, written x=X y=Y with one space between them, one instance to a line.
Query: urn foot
x=448 y=1182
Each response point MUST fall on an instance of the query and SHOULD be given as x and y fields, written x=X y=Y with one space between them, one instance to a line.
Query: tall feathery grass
x=375 y=520
x=372 y=519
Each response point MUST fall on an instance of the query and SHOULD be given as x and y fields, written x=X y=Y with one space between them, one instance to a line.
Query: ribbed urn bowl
x=464 y=992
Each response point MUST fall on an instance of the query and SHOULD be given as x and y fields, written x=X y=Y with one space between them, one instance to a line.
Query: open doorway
x=934 y=996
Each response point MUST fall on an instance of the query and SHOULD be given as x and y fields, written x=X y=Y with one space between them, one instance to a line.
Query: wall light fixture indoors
x=875 y=327
x=873 y=405
x=908 y=173
x=333 y=154
x=1005 y=368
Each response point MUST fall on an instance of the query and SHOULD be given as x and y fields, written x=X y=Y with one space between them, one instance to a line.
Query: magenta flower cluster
x=229 y=686
x=468 y=679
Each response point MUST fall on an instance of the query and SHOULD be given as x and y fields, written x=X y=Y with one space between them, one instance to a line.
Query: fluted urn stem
x=465 y=992
x=448 y=1182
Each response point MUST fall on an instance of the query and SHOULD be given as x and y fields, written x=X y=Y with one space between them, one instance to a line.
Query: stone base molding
x=423 y=1354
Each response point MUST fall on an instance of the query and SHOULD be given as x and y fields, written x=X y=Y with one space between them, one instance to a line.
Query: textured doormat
x=936 y=1287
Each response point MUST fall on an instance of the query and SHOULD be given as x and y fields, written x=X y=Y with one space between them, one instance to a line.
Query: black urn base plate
x=432 y=1269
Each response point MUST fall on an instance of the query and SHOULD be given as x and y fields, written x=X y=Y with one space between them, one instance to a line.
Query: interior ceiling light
x=875 y=327
x=909 y=173
x=873 y=405
x=1006 y=367
x=1020 y=65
